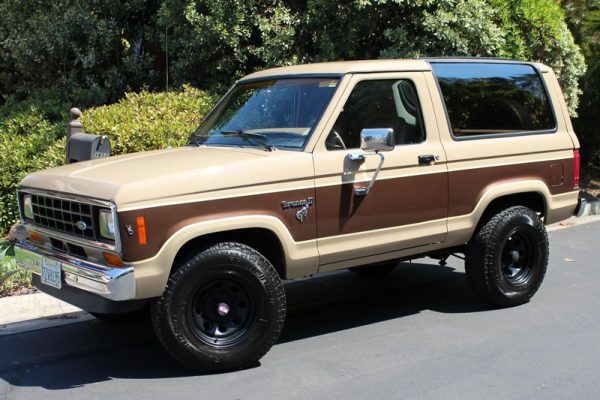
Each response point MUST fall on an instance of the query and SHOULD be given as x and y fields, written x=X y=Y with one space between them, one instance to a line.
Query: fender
x=462 y=227
x=151 y=274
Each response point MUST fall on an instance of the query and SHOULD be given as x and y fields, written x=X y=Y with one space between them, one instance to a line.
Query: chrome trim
x=373 y=142
x=80 y=199
x=81 y=225
x=72 y=239
x=363 y=191
x=66 y=196
x=109 y=282
x=356 y=156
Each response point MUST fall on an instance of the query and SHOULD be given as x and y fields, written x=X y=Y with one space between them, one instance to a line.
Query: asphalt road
x=420 y=333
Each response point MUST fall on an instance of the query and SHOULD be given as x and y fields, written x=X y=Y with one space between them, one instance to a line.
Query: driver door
x=406 y=210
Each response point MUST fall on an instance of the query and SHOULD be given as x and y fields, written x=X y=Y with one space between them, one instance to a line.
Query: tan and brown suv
x=308 y=169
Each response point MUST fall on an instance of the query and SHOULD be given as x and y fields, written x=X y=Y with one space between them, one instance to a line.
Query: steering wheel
x=334 y=141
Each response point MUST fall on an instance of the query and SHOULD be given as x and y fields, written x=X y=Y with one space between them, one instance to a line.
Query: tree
x=532 y=30
x=583 y=17
x=213 y=43
x=73 y=44
x=115 y=46
x=536 y=30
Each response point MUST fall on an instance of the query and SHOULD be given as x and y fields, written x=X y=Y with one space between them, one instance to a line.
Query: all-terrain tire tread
x=481 y=255
x=262 y=267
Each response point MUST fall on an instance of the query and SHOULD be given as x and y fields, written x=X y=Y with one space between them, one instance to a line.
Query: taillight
x=576 y=168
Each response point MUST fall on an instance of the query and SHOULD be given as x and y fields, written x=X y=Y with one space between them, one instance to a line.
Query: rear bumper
x=116 y=284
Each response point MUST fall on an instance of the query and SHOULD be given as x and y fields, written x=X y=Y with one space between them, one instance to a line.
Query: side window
x=389 y=103
x=493 y=98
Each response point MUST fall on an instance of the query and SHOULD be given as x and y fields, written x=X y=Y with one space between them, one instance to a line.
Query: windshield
x=278 y=113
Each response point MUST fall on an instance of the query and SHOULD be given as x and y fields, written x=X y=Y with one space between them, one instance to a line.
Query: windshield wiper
x=250 y=137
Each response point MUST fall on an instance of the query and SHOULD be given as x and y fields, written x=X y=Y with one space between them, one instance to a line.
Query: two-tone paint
x=188 y=193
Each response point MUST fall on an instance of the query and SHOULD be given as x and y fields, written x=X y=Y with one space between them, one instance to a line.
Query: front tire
x=222 y=309
x=507 y=258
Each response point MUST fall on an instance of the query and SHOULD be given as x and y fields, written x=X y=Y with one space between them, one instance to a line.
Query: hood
x=175 y=175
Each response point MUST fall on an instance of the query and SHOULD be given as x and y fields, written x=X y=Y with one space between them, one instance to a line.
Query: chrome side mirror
x=373 y=141
x=377 y=139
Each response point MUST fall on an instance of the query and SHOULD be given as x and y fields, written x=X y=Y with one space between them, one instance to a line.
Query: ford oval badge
x=81 y=225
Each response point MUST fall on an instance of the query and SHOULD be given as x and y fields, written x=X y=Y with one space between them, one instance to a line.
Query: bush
x=11 y=276
x=148 y=121
x=29 y=141
x=32 y=132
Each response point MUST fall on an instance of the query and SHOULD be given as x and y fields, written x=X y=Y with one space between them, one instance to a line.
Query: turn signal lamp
x=113 y=259
x=141 y=230
x=35 y=237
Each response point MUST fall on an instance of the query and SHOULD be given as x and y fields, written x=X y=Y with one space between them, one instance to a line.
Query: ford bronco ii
x=307 y=169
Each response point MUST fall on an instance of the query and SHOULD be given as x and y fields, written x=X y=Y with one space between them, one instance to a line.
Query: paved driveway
x=420 y=333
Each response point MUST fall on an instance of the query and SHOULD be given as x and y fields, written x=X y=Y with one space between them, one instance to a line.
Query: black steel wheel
x=520 y=253
x=507 y=258
x=221 y=312
x=222 y=309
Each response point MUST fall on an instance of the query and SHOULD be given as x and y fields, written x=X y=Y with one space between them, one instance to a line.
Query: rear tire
x=222 y=309
x=507 y=258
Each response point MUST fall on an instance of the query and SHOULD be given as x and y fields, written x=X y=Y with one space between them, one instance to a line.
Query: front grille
x=65 y=216
x=58 y=245
x=68 y=248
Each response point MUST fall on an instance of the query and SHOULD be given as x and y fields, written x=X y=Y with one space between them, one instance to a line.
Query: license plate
x=51 y=273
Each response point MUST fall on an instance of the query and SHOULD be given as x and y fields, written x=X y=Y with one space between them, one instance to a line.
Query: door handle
x=427 y=160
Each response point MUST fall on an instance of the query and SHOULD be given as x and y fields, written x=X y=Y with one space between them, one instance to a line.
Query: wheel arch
x=263 y=240
x=532 y=193
x=291 y=259
x=533 y=200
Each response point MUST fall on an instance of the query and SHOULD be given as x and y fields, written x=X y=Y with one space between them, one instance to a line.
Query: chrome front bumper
x=112 y=283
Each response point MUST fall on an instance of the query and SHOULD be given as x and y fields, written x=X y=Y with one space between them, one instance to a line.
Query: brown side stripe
x=336 y=211
x=467 y=187
x=162 y=222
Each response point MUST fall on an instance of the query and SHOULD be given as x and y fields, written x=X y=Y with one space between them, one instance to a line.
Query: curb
x=30 y=312
x=36 y=311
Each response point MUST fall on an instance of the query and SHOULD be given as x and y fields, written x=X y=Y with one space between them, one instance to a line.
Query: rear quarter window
x=494 y=98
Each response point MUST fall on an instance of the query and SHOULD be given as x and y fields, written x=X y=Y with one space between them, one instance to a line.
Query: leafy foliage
x=32 y=132
x=31 y=138
x=11 y=277
x=88 y=44
x=583 y=16
x=147 y=121
x=532 y=30
x=28 y=142
x=536 y=30
x=213 y=43
x=392 y=29
x=116 y=46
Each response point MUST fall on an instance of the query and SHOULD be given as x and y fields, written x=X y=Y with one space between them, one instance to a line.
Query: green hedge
x=28 y=142
x=32 y=132
x=148 y=121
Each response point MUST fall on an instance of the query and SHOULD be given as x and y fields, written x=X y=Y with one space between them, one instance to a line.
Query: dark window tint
x=390 y=103
x=491 y=98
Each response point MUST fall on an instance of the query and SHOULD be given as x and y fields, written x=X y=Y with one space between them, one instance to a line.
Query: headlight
x=27 y=207
x=107 y=224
